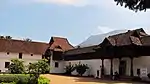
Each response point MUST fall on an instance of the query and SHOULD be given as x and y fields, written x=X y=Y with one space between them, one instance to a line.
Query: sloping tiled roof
x=145 y=40
x=19 y=46
x=127 y=38
x=60 y=44
x=83 y=50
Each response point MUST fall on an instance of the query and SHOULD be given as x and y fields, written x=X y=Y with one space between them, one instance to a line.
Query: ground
x=57 y=79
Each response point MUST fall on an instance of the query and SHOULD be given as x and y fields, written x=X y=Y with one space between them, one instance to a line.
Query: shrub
x=17 y=66
x=81 y=68
x=43 y=80
x=69 y=69
x=15 y=78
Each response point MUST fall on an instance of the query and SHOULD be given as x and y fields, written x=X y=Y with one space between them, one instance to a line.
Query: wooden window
x=7 y=53
x=31 y=54
x=42 y=56
x=7 y=64
x=20 y=55
x=56 y=64
x=69 y=63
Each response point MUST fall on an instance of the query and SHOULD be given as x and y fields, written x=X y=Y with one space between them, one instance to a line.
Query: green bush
x=81 y=68
x=69 y=69
x=43 y=80
x=21 y=79
x=17 y=78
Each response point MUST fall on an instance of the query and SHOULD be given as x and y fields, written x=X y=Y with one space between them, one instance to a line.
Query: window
x=31 y=54
x=7 y=53
x=43 y=57
x=56 y=64
x=69 y=63
x=20 y=55
x=0 y=71
x=7 y=64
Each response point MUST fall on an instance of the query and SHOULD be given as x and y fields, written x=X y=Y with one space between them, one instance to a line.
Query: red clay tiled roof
x=145 y=40
x=19 y=46
x=89 y=49
x=127 y=38
x=60 y=44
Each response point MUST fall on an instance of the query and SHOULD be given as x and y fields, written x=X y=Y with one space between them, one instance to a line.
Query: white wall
x=93 y=65
x=27 y=58
x=59 y=69
x=138 y=63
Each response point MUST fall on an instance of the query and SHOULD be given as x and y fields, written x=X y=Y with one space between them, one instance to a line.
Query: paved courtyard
x=57 y=79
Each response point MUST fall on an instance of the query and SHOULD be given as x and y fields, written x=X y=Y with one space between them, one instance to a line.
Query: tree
x=37 y=68
x=70 y=68
x=81 y=68
x=2 y=37
x=40 y=67
x=28 y=40
x=17 y=66
x=135 y=5
x=8 y=37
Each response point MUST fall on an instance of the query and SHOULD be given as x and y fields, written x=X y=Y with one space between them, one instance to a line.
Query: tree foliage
x=81 y=68
x=8 y=37
x=70 y=68
x=40 y=67
x=135 y=5
x=37 y=68
x=16 y=66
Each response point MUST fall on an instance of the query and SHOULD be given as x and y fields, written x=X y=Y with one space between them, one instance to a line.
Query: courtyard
x=58 y=79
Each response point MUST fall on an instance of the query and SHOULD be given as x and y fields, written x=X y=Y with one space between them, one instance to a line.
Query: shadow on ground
x=93 y=80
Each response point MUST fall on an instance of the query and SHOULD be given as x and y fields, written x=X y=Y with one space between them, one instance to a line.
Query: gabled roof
x=19 y=46
x=82 y=50
x=145 y=40
x=127 y=38
x=60 y=44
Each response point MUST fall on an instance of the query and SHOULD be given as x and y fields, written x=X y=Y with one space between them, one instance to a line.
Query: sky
x=75 y=20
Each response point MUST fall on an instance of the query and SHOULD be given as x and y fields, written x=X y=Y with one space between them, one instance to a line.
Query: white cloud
x=106 y=3
x=58 y=1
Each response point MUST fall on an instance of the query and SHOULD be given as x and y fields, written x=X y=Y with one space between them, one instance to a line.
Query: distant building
x=126 y=53
x=25 y=50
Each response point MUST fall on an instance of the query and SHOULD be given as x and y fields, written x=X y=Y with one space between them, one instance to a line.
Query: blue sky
x=73 y=19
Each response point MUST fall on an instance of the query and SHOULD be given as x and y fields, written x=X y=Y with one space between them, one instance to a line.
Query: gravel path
x=57 y=79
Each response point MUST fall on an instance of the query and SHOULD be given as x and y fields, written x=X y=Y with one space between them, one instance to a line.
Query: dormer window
x=31 y=54
x=58 y=47
x=7 y=53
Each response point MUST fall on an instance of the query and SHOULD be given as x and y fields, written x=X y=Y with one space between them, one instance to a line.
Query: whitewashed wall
x=59 y=69
x=27 y=58
x=93 y=65
x=138 y=63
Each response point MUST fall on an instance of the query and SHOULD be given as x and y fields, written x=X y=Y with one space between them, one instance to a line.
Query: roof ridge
x=59 y=37
x=25 y=41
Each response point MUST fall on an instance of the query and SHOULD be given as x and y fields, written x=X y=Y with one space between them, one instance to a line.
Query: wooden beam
x=131 y=69
x=111 y=67
x=102 y=69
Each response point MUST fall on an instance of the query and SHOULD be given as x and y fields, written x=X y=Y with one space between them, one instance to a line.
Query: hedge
x=43 y=80
x=20 y=79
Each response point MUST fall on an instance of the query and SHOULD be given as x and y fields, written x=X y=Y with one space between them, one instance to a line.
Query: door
x=97 y=73
x=122 y=67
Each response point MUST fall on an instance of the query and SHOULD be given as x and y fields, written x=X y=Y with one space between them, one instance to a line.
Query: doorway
x=122 y=68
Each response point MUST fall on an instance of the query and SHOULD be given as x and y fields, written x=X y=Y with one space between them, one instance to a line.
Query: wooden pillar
x=102 y=69
x=111 y=67
x=131 y=69
x=119 y=65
